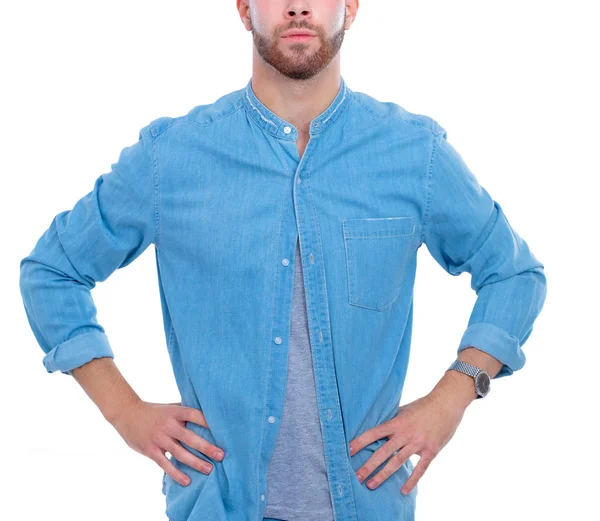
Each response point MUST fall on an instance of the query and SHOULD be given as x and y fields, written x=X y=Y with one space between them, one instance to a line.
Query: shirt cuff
x=496 y=342
x=77 y=351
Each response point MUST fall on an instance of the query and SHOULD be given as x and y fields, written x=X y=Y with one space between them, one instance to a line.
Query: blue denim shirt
x=222 y=193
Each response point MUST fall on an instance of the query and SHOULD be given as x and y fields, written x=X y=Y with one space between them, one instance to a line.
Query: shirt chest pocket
x=377 y=250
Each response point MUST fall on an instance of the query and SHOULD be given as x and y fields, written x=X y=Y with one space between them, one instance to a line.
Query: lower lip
x=299 y=38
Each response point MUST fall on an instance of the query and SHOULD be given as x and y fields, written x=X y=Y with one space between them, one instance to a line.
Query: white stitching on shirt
x=267 y=120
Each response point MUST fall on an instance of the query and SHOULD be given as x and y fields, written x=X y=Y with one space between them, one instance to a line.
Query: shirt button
x=278 y=340
x=287 y=130
x=285 y=262
x=299 y=180
x=271 y=419
x=262 y=497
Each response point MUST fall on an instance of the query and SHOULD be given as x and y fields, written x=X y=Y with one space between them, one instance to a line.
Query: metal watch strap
x=466 y=368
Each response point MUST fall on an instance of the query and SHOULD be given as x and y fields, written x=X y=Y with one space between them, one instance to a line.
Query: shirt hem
x=290 y=514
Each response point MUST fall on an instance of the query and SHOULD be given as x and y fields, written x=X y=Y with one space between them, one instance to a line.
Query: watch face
x=482 y=383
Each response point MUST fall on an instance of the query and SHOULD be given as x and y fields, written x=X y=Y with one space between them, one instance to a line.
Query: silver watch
x=482 y=379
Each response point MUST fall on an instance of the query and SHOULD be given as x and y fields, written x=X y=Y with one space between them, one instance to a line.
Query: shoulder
x=396 y=115
x=199 y=115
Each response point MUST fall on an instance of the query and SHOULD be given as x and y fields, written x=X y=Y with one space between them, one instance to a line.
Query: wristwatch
x=482 y=379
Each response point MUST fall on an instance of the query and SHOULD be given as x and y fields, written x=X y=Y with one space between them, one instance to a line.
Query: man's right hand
x=154 y=428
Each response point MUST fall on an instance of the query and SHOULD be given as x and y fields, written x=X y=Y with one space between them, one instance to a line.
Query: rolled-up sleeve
x=105 y=230
x=464 y=229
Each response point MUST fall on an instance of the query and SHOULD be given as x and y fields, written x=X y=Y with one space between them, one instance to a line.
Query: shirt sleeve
x=106 y=229
x=466 y=230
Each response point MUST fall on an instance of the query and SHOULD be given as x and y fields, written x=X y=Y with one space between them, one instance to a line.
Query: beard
x=299 y=62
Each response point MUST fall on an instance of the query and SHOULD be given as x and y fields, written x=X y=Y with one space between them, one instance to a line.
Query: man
x=286 y=218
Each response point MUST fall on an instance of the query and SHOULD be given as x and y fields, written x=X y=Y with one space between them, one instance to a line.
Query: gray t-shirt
x=297 y=486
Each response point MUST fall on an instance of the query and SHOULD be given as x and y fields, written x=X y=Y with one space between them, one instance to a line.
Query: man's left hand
x=421 y=427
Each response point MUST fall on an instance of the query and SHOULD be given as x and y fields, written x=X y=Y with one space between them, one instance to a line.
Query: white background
x=514 y=85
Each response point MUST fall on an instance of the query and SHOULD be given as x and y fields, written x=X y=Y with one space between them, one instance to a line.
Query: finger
x=166 y=464
x=377 y=458
x=417 y=472
x=394 y=463
x=191 y=414
x=185 y=456
x=191 y=439
x=366 y=438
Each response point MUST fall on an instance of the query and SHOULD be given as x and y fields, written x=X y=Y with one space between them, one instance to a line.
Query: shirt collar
x=280 y=128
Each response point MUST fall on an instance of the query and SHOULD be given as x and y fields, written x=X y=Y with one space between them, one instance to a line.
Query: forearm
x=106 y=386
x=458 y=387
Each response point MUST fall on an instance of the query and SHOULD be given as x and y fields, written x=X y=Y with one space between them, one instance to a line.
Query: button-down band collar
x=283 y=129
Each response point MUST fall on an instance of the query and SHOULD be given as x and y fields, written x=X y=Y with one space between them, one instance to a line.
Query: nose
x=298 y=11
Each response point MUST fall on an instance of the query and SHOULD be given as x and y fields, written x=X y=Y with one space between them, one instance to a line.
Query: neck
x=296 y=101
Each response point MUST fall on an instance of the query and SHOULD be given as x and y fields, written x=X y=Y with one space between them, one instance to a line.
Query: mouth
x=298 y=37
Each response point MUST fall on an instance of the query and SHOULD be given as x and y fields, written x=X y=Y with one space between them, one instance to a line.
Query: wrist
x=457 y=388
x=122 y=409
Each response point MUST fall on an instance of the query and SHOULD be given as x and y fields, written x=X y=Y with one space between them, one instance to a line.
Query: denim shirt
x=223 y=194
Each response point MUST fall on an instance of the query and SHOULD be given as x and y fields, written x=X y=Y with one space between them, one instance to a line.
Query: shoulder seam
x=156 y=193
x=153 y=131
x=428 y=182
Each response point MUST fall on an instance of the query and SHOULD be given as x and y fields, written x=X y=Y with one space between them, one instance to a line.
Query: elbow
x=25 y=276
x=29 y=275
x=540 y=286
